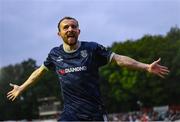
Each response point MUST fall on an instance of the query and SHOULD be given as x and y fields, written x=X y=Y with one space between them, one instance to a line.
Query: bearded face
x=69 y=31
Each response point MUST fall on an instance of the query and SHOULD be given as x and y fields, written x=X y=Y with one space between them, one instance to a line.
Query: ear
x=59 y=34
x=79 y=31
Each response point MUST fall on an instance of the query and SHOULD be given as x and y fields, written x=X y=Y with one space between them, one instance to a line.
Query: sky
x=28 y=28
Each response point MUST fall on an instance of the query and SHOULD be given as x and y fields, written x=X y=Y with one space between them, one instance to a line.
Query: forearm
x=34 y=77
x=130 y=63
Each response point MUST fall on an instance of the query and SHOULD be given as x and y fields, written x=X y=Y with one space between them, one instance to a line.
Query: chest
x=78 y=62
x=83 y=57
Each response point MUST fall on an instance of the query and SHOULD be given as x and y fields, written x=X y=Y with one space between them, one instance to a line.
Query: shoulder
x=89 y=44
x=55 y=50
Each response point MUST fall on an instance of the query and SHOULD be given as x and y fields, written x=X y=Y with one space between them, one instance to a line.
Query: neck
x=71 y=48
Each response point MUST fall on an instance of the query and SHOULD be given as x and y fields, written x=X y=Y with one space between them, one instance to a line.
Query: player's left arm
x=154 y=67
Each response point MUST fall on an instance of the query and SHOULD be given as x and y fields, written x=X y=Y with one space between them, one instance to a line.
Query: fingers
x=160 y=75
x=14 y=93
x=9 y=93
x=166 y=72
x=163 y=72
x=162 y=67
x=11 y=84
x=11 y=97
x=158 y=60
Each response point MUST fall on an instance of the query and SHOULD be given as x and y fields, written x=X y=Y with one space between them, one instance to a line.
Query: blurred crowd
x=146 y=116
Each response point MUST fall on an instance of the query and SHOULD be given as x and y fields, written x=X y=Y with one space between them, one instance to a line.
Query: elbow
x=119 y=59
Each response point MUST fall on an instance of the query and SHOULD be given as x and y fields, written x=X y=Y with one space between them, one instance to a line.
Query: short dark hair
x=67 y=17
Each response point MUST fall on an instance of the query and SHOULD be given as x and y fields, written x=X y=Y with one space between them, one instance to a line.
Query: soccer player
x=77 y=63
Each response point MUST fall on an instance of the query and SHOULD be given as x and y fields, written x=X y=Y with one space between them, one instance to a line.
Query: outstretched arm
x=17 y=90
x=154 y=67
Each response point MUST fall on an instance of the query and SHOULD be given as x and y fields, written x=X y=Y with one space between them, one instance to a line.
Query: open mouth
x=71 y=36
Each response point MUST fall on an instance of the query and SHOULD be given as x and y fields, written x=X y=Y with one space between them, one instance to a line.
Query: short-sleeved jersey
x=78 y=74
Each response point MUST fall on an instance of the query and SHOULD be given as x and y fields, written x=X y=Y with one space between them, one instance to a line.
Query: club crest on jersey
x=84 y=53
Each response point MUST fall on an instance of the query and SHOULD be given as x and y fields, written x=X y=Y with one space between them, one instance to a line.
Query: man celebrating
x=77 y=63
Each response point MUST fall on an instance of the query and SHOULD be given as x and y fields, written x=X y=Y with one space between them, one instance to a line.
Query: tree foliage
x=127 y=87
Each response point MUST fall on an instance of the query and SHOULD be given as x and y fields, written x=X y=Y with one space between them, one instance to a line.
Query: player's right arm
x=34 y=77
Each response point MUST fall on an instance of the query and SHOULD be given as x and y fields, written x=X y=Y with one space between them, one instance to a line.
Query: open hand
x=15 y=92
x=157 y=69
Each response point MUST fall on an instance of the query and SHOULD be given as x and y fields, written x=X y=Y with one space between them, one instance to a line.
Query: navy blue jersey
x=78 y=74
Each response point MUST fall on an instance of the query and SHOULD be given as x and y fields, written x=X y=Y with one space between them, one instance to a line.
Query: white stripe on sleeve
x=111 y=56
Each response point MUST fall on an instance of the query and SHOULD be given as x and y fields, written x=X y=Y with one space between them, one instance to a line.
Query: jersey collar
x=79 y=45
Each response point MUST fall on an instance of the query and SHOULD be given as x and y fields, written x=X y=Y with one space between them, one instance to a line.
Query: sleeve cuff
x=44 y=67
x=111 y=56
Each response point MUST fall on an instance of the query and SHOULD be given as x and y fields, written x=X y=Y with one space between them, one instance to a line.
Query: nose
x=70 y=28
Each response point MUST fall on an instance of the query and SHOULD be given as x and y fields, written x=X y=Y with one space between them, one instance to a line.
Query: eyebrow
x=72 y=24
